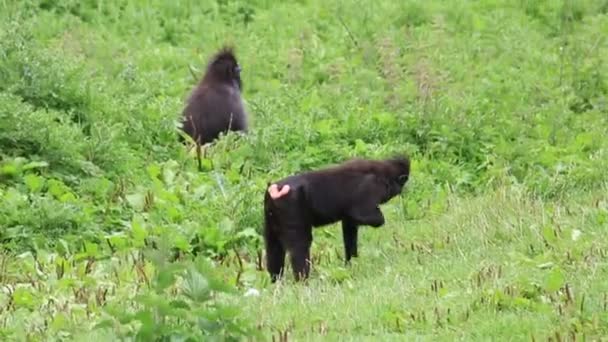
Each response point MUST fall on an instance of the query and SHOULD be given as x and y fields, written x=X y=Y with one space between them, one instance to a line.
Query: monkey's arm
x=367 y=215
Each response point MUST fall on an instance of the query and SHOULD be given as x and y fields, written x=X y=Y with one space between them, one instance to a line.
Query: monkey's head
x=399 y=174
x=224 y=67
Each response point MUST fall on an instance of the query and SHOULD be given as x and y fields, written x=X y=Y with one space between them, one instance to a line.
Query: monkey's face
x=400 y=175
x=236 y=75
x=225 y=68
x=229 y=70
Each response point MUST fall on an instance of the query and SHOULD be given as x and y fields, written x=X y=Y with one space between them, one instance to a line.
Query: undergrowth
x=108 y=229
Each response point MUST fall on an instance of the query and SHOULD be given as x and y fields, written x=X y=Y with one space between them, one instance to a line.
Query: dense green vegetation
x=109 y=231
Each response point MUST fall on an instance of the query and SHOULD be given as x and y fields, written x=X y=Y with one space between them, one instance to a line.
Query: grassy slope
x=501 y=104
x=482 y=270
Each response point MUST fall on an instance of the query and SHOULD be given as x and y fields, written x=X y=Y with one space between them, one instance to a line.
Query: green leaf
x=92 y=249
x=206 y=164
x=67 y=197
x=545 y=265
x=226 y=226
x=148 y=326
x=35 y=165
x=138 y=230
x=9 y=169
x=549 y=234
x=325 y=126
x=180 y=242
x=60 y=321
x=24 y=298
x=169 y=172
x=555 y=280
x=360 y=147
x=105 y=324
x=165 y=278
x=118 y=240
x=55 y=188
x=154 y=171
x=180 y=304
x=33 y=182
x=136 y=201
x=247 y=233
x=196 y=286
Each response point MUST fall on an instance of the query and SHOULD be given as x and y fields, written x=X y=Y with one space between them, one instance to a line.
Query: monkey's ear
x=402 y=179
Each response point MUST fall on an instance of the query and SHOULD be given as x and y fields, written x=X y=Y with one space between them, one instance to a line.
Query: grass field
x=109 y=231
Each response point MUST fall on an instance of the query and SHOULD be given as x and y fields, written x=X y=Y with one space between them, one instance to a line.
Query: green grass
x=493 y=267
x=108 y=231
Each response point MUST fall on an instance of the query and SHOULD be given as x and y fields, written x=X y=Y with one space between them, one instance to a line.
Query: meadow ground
x=109 y=231
x=496 y=267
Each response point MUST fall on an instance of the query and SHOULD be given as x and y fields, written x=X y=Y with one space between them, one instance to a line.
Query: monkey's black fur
x=350 y=192
x=215 y=105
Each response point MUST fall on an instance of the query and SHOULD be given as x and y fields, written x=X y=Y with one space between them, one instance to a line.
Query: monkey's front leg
x=349 y=234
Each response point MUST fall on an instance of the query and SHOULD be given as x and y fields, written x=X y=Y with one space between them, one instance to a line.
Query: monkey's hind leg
x=275 y=255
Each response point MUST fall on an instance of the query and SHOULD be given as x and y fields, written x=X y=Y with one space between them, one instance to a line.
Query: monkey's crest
x=224 y=67
x=225 y=54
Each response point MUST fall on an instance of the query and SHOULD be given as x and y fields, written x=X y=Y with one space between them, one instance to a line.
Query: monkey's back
x=212 y=110
x=328 y=193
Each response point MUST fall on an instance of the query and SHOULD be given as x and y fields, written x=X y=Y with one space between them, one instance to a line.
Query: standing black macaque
x=350 y=192
x=215 y=105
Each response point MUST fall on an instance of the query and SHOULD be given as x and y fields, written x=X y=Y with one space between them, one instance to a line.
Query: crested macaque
x=215 y=105
x=350 y=192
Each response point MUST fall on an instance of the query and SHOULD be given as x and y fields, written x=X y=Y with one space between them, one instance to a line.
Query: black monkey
x=350 y=192
x=215 y=105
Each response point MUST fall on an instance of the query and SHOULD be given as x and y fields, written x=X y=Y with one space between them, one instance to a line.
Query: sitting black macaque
x=215 y=105
x=350 y=192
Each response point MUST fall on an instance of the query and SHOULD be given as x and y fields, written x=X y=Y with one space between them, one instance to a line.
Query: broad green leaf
x=118 y=240
x=196 y=286
x=169 y=173
x=33 y=182
x=60 y=321
x=23 y=297
x=148 y=326
x=104 y=324
x=154 y=170
x=549 y=234
x=56 y=188
x=136 y=201
x=138 y=230
x=180 y=242
x=67 y=197
x=165 y=278
x=247 y=233
x=555 y=280
x=180 y=304
x=35 y=165
x=92 y=249
x=9 y=169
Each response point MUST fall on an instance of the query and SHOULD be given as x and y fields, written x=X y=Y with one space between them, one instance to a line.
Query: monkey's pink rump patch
x=275 y=193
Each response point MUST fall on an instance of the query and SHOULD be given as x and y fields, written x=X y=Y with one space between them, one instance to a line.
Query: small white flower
x=576 y=234
x=252 y=293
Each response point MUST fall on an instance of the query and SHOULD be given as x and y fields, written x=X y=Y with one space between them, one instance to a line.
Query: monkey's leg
x=298 y=244
x=198 y=157
x=275 y=255
x=349 y=233
x=367 y=215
